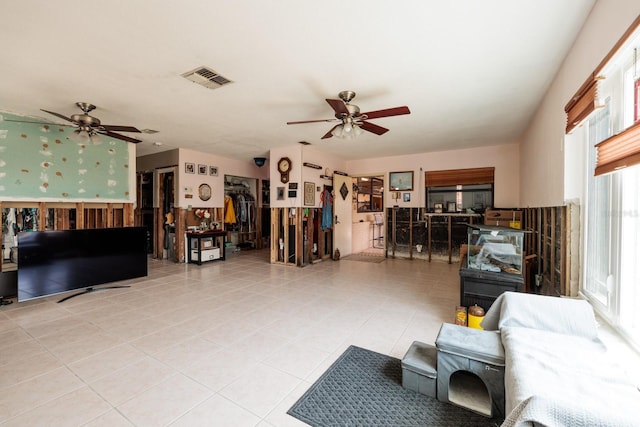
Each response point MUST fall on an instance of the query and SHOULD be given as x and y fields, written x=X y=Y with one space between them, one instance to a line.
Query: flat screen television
x=52 y=262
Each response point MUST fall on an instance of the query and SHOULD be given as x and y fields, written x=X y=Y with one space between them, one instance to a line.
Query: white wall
x=504 y=158
x=299 y=154
x=542 y=164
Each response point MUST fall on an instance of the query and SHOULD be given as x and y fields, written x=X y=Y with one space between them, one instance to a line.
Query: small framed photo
x=213 y=170
x=406 y=197
x=437 y=207
x=189 y=168
x=309 y=194
x=280 y=193
x=202 y=169
x=401 y=181
x=293 y=186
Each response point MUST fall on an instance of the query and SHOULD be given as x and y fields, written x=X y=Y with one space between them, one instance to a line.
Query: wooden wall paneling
x=159 y=233
x=275 y=235
x=128 y=219
x=109 y=220
x=299 y=237
x=180 y=222
x=80 y=216
x=552 y=252
x=545 y=251
x=42 y=214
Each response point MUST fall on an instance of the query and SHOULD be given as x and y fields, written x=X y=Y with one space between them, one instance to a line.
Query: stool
x=472 y=350
x=419 y=369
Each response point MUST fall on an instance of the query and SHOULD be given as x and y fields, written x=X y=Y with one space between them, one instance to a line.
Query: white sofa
x=557 y=371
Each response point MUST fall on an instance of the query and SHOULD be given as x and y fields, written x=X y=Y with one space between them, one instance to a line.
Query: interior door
x=342 y=228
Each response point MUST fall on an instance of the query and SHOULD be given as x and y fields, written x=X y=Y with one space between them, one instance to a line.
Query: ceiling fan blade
x=378 y=130
x=118 y=136
x=311 y=121
x=58 y=115
x=120 y=128
x=338 y=106
x=329 y=134
x=397 y=111
x=36 y=123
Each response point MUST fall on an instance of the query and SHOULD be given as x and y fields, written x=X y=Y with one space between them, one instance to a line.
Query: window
x=612 y=208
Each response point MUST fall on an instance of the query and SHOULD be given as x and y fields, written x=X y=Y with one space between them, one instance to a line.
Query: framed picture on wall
x=280 y=193
x=401 y=181
x=189 y=168
x=202 y=169
x=309 y=194
x=213 y=170
x=406 y=197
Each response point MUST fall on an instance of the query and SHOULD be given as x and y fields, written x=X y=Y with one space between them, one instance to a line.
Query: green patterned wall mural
x=38 y=162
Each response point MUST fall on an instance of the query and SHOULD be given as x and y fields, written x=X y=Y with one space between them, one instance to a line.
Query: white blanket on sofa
x=557 y=371
x=563 y=380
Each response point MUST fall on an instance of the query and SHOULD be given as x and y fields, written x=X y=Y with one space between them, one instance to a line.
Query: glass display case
x=495 y=249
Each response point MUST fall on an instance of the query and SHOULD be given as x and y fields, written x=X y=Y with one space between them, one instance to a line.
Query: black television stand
x=92 y=289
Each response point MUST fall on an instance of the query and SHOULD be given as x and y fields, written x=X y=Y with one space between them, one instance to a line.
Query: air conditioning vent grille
x=206 y=77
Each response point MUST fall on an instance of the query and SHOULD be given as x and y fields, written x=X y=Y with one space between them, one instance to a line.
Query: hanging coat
x=229 y=212
x=327 y=204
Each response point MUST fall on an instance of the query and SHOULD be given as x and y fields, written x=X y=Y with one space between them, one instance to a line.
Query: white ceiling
x=472 y=72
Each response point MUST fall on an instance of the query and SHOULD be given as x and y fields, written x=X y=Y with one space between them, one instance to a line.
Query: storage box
x=207 y=255
x=503 y=218
x=419 y=369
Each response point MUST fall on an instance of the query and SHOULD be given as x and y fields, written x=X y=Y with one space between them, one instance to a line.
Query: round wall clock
x=204 y=192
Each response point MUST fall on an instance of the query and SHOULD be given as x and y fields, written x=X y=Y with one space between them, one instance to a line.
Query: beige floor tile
x=15 y=352
x=113 y=418
x=260 y=389
x=72 y=409
x=259 y=345
x=297 y=359
x=79 y=348
x=221 y=369
x=217 y=411
x=29 y=394
x=106 y=362
x=187 y=353
x=279 y=417
x=131 y=380
x=27 y=367
x=161 y=340
x=165 y=402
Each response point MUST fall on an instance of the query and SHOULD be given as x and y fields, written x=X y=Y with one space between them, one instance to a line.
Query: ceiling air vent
x=206 y=77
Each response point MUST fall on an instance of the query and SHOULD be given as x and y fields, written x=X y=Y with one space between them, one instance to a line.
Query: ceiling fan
x=352 y=121
x=88 y=128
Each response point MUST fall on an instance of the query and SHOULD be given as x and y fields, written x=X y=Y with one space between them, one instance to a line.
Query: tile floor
x=231 y=343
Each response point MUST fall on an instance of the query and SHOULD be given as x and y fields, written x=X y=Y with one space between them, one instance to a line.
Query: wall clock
x=284 y=167
x=204 y=192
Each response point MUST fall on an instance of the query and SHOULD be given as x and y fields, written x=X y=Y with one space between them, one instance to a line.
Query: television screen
x=51 y=262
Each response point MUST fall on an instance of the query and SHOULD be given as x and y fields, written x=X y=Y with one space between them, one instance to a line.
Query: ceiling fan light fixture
x=95 y=138
x=85 y=137
x=341 y=131
x=79 y=136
